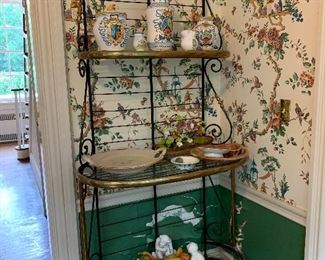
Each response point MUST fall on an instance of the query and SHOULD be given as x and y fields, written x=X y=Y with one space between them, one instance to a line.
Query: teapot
x=207 y=34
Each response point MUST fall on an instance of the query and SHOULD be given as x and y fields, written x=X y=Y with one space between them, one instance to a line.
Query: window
x=11 y=47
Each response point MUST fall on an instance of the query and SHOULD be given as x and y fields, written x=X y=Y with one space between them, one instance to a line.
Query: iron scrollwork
x=215 y=130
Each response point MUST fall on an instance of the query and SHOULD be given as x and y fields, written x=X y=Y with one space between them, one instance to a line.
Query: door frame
x=50 y=64
x=315 y=228
x=55 y=126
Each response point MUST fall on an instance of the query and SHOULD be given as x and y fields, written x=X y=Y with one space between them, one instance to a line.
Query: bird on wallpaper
x=257 y=84
x=300 y=113
x=89 y=11
x=233 y=10
x=122 y=110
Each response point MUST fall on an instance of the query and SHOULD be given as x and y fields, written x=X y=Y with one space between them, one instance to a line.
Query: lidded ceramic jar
x=160 y=25
x=207 y=34
x=111 y=30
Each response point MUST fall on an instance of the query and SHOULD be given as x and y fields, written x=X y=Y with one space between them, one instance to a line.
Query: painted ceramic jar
x=188 y=40
x=160 y=25
x=139 y=41
x=207 y=35
x=111 y=30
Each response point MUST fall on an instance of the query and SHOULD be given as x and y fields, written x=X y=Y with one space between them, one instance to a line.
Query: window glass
x=15 y=40
x=11 y=47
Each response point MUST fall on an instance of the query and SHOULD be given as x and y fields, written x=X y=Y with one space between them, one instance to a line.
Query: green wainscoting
x=127 y=229
x=268 y=235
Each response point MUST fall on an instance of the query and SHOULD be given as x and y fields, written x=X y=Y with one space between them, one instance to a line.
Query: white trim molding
x=295 y=214
x=51 y=79
x=315 y=234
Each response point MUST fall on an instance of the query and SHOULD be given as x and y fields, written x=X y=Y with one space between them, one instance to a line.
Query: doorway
x=23 y=225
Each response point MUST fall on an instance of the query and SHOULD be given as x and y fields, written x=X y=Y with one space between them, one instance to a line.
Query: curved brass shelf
x=162 y=173
x=153 y=54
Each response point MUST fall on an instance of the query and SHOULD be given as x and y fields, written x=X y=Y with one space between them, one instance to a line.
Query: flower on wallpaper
x=121 y=83
x=270 y=40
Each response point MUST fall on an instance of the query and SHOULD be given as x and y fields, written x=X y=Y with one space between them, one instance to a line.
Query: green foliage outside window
x=11 y=47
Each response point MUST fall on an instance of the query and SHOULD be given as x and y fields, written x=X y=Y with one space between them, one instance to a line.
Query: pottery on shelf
x=139 y=41
x=207 y=35
x=188 y=40
x=160 y=25
x=185 y=162
x=111 y=30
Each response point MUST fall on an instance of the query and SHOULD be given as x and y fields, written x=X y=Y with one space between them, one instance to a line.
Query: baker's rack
x=210 y=62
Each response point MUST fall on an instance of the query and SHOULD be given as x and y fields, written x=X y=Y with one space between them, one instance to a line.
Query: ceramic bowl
x=214 y=152
x=185 y=162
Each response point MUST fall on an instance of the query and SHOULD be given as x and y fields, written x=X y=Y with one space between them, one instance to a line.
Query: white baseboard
x=37 y=173
x=295 y=214
x=138 y=194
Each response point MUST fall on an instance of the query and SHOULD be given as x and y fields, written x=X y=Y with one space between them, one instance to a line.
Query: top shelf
x=153 y=54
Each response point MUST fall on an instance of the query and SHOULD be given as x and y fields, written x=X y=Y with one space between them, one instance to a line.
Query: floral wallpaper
x=272 y=46
x=272 y=62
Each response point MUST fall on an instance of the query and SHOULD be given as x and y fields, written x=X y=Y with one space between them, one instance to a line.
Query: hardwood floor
x=23 y=227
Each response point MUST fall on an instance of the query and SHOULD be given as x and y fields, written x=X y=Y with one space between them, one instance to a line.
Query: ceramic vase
x=139 y=41
x=207 y=35
x=188 y=40
x=160 y=25
x=111 y=30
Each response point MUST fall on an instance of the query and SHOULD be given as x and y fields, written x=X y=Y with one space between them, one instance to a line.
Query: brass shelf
x=153 y=54
x=161 y=173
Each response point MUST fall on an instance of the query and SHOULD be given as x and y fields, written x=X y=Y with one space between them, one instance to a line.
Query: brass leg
x=82 y=219
x=233 y=207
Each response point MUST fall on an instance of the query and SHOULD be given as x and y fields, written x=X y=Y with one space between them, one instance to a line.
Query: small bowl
x=185 y=162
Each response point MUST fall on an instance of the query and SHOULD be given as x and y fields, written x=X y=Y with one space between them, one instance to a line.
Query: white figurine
x=163 y=247
x=193 y=249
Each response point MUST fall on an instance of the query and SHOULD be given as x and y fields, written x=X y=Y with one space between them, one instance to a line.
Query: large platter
x=126 y=161
x=234 y=153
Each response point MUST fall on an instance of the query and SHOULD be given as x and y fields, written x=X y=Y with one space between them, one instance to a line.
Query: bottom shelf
x=223 y=251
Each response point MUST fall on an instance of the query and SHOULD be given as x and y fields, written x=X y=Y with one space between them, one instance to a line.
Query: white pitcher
x=188 y=40
x=160 y=25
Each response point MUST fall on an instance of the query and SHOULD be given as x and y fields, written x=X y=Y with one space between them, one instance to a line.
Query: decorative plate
x=126 y=160
x=223 y=152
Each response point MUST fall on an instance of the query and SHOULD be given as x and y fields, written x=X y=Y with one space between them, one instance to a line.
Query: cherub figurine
x=193 y=249
x=163 y=247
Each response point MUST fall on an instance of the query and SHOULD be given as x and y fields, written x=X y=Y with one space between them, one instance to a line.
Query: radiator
x=8 y=127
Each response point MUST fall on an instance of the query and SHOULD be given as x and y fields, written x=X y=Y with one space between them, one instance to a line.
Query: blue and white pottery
x=160 y=25
x=185 y=162
x=207 y=35
x=111 y=30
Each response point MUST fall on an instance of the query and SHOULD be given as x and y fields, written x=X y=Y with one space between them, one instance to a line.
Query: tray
x=236 y=152
x=126 y=161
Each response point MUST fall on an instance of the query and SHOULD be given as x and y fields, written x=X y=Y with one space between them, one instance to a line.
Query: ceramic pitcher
x=160 y=25
x=110 y=29
x=139 y=41
x=207 y=34
x=188 y=40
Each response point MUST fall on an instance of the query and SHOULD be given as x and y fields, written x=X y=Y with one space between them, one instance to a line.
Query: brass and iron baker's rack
x=163 y=172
